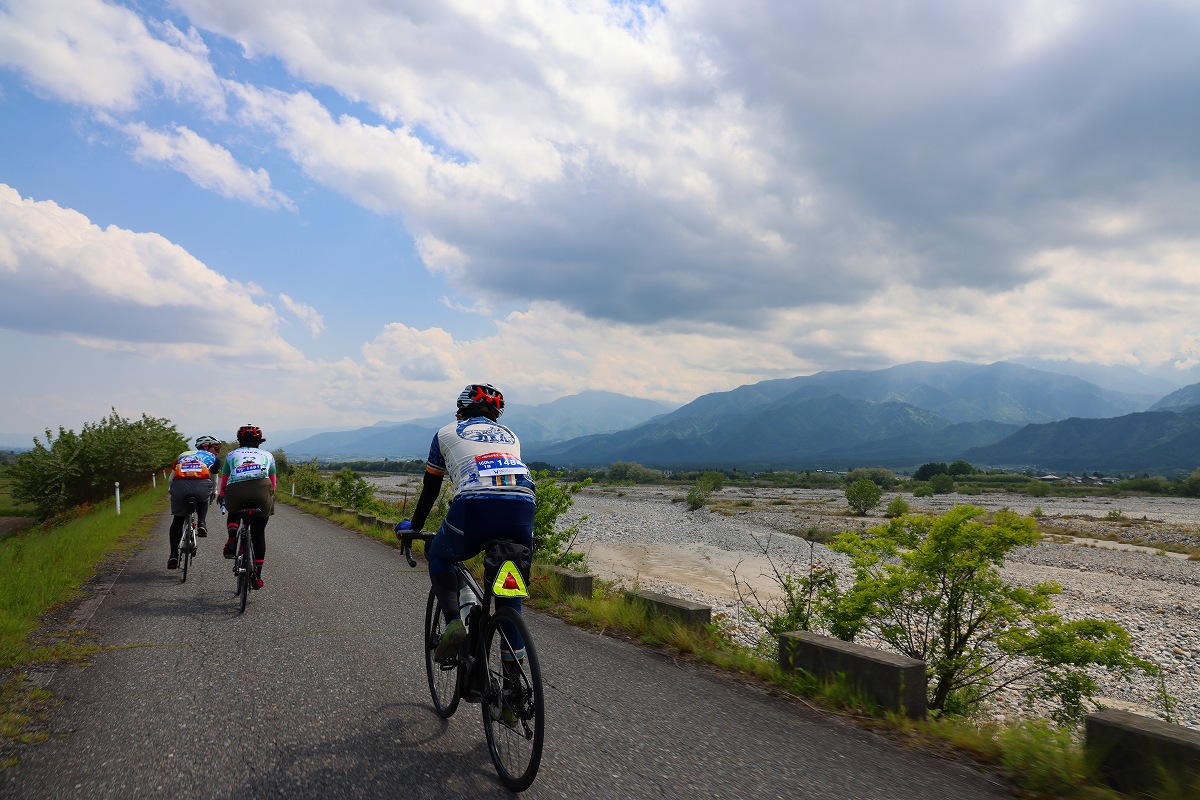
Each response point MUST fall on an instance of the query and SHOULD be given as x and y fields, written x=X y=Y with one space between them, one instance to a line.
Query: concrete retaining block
x=369 y=519
x=573 y=582
x=1133 y=753
x=894 y=682
x=685 y=611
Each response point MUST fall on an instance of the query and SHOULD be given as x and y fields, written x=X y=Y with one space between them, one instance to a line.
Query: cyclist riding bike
x=192 y=476
x=493 y=499
x=248 y=481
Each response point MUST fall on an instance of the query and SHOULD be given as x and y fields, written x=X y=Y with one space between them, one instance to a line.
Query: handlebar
x=406 y=540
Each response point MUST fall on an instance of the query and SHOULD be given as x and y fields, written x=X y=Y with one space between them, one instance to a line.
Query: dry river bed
x=644 y=536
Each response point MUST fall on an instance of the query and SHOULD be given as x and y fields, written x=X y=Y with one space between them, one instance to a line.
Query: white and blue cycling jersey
x=482 y=458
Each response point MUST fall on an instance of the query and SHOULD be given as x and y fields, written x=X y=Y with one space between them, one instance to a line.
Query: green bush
x=1036 y=488
x=632 y=472
x=881 y=477
x=72 y=469
x=941 y=484
x=923 y=490
x=554 y=498
x=898 y=507
x=863 y=496
x=308 y=480
x=931 y=588
x=351 y=491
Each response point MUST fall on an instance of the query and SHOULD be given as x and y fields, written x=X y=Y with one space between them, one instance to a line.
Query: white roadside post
x=153 y=480
x=293 y=488
x=118 y=485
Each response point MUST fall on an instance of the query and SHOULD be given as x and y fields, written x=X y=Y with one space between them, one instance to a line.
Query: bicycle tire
x=516 y=749
x=247 y=570
x=185 y=550
x=444 y=685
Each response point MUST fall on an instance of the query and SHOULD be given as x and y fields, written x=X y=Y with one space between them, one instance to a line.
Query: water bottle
x=466 y=602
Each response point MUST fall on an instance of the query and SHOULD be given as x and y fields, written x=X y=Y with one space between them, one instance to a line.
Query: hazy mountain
x=902 y=416
x=588 y=412
x=1116 y=377
x=1151 y=441
x=1179 y=399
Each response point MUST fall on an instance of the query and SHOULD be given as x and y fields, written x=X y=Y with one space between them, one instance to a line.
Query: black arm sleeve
x=430 y=486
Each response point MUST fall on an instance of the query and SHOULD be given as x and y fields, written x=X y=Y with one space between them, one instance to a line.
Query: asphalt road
x=319 y=691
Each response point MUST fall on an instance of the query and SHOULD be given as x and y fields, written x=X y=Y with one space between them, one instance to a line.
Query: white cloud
x=209 y=165
x=308 y=316
x=62 y=276
x=103 y=56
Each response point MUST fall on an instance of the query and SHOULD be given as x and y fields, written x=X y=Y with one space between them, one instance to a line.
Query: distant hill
x=588 y=412
x=893 y=417
x=1106 y=376
x=1179 y=399
x=1151 y=441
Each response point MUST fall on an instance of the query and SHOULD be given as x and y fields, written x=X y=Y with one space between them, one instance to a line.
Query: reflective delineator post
x=118 y=485
x=153 y=480
x=293 y=488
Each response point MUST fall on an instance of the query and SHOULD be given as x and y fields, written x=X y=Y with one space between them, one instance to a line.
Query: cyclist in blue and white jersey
x=493 y=499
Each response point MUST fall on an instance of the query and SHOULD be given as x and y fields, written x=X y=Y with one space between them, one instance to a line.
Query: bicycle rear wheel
x=444 y=685
x=246 y=562
x=185 y=548
x=513 y=714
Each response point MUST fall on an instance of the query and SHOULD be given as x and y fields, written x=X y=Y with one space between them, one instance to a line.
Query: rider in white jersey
x=493 y=499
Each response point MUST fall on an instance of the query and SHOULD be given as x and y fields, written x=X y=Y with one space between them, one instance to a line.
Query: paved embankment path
x=327 y=658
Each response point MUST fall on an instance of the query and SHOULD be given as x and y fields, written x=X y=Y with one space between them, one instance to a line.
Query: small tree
x=308 y=480
x=706 y=484
x=349 y=490
x=930 y=587
x=863 y=495
x=554 y=498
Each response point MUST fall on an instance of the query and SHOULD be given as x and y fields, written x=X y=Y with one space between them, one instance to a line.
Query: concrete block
x=687 y=612
x=1134 y=753
x=368 y=519
x=894 y=682
x=573 y=582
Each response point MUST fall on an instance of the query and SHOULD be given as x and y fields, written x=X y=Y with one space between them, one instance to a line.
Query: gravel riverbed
x=644 y=536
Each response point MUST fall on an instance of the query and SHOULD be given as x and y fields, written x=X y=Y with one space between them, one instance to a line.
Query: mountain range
x=1003 y=414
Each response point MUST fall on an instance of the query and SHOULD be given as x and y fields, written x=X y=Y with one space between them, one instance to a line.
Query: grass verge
x=41 y=570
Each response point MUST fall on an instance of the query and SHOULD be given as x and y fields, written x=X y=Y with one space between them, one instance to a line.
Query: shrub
x=927 y=471
x=881 y=477
x=632 y=472
x=923 y=490
x=898 y=507
x=1036 y=488
x=941 y=484
x=351 y=491
x=931 y=588
x=554 y=498
x=863 y=496
x=308 y=480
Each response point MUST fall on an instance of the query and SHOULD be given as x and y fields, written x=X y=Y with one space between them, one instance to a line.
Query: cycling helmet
x=206 y=441
x=251 y=434
x=484 y=396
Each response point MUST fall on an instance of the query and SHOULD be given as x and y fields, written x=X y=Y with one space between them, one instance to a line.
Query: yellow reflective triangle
x=509 y=582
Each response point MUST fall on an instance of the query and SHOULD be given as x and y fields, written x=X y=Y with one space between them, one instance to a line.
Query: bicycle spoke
x=512 y=705
x=443 y=678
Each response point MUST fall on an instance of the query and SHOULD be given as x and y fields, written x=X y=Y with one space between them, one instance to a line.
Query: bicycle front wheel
x=513 y=716
x=444 y=686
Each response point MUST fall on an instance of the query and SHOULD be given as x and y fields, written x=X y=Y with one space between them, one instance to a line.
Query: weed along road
x=319 y=691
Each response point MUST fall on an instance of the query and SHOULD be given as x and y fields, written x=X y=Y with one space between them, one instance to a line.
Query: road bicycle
x=509 y=692
x=243 y=561
x=187 y=544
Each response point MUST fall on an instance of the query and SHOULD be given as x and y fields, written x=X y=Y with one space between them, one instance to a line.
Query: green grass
x=40 y=570
x=8 y=506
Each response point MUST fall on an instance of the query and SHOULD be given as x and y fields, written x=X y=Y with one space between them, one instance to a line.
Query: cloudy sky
x=313 y=214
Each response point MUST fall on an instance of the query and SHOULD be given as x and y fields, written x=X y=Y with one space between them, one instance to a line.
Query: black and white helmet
x=485 y=397
x=207 y=441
